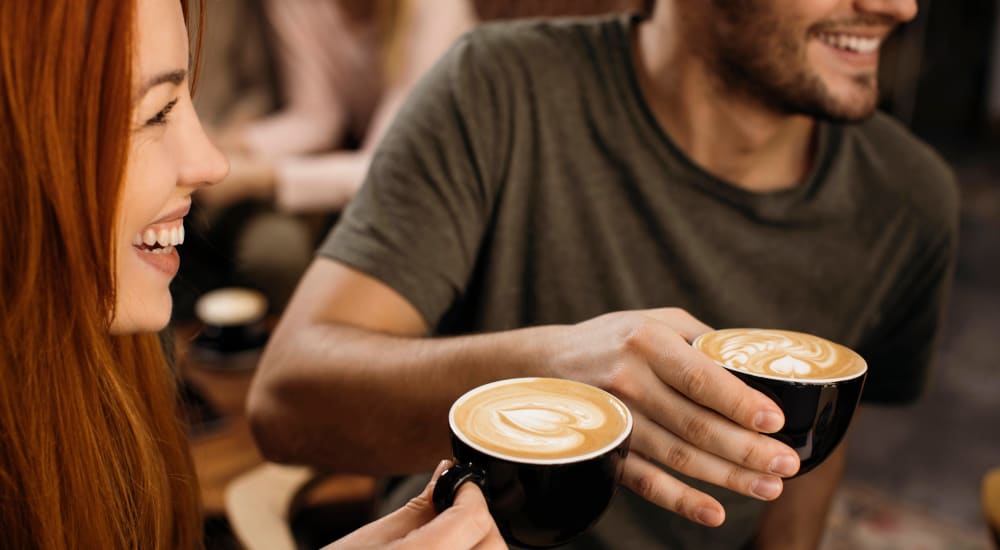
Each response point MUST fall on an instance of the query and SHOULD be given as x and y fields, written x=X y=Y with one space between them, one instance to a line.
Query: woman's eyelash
x=161 y=117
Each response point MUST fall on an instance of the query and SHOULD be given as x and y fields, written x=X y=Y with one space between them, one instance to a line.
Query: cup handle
x=451 y=481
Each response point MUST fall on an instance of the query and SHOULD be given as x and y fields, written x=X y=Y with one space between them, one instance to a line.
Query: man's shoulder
x=542 y=41
x=906 y=167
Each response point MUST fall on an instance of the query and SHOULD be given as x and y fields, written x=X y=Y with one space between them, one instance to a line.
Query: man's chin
x=851 y=112
x=854 y=102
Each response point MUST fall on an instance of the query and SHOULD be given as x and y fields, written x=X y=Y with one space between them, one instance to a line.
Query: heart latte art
x=540 y=419
x=781 y=354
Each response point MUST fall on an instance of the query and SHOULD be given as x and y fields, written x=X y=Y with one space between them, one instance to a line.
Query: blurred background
x=297 y=93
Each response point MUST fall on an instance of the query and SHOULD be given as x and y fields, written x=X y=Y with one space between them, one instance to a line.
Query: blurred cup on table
x=547 y=453
x=233 y=324
x=816 y=383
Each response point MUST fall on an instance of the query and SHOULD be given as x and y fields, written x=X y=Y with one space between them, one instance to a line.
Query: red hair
x=92 y=454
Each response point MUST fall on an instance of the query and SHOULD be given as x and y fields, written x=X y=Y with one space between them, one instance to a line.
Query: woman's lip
x=175 y=214
x=168 y=264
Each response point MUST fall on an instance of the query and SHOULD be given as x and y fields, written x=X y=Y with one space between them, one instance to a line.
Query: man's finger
x=681 y=456
x=681 y=321
x=653 y=484
x=694 y=375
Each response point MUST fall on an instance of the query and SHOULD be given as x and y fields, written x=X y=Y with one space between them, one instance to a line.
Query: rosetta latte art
x=533 y=420
x=784 y=354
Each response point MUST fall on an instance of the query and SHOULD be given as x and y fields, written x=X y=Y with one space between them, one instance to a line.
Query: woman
x=100 y=150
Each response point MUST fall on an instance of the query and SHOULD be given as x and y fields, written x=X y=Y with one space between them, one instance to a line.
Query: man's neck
x=724 y=132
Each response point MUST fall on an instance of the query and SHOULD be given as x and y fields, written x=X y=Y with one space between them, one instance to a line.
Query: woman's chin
x=142 y=317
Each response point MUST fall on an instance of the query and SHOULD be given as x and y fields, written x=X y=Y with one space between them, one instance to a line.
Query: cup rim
x=539 y=461
x=256 y=303
x=804 y=381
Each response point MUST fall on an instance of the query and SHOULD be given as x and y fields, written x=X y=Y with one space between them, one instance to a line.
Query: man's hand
x=415 y=526
x=690 y=414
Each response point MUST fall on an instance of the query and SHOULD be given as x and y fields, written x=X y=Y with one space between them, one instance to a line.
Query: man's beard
x=756 y=56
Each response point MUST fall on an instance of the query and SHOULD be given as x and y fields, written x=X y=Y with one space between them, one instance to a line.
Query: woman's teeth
x=159 y=241
x=851 y=43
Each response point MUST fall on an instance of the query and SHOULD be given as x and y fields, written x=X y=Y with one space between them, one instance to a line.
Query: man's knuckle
x=738 y=405
x=693 y=379
x=646 y=487
x=696 y=430
x=680 y=313
x=683 y=504
x=733 y=479
x=637 y=338
x=678 y=457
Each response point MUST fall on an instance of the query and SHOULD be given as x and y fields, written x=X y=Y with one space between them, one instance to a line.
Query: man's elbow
x=269 y=423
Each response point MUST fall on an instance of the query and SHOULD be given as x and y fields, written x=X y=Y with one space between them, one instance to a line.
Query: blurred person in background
x=344 y=68
x=582 y=198
x=100 y=152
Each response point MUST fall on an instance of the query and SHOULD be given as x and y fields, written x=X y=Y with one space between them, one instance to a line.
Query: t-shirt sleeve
x=418 y=220
x=900 y=352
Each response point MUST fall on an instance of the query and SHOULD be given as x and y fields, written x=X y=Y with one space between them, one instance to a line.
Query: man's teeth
x=165 y=237
x=850 y=43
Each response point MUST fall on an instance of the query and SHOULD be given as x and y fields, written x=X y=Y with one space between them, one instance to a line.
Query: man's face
x=813 y=57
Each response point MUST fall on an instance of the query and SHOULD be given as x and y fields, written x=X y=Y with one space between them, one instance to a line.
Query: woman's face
x=169 y=158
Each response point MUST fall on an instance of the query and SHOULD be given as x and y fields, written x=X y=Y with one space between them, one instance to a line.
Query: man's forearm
x=797 y=519
x=369 y=402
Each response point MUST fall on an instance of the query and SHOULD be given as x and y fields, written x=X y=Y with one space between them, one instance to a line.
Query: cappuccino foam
x=781 y=354
x=540 y=418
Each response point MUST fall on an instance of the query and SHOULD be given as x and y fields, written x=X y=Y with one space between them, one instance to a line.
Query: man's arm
x=350 y=380
x=796 y=520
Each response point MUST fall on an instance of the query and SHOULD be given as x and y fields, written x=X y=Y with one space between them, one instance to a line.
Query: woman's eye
x=160 y=118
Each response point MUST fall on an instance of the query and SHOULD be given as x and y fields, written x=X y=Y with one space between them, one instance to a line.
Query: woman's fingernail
x=441 y=467
x=708 y=516
x=768 y=422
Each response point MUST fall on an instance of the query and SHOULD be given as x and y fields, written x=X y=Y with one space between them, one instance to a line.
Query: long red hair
x=92 y=452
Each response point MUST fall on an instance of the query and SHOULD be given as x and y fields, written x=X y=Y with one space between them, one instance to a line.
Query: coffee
x=234 y=328
x=816 y=383
x=781 y=354
x=547 y=453
x=540 y=419
x=227 y=307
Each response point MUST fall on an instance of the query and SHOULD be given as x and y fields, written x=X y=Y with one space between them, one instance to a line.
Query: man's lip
x=863 y=32
x=175 y=214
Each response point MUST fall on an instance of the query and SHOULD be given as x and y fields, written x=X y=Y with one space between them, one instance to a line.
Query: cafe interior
x=917 y=475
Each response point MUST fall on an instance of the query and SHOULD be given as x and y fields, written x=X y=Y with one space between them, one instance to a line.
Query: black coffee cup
x=817 y=411
x=233 y=327
x=536 y=503
x=816 y=415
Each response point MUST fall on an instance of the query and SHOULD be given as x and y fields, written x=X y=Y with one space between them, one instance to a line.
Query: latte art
x=781 y=354
x=543 y=419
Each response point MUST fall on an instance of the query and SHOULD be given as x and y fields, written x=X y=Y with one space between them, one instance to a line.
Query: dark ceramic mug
x=234 y=327
x=818 y=409
x=537 y=502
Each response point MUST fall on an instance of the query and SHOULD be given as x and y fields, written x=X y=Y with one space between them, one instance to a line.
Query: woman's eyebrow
x=170 y=77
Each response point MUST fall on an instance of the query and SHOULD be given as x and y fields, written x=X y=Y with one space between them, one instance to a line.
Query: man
x=581 y=199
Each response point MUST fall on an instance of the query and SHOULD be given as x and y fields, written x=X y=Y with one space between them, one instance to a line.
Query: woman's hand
x=416 y=526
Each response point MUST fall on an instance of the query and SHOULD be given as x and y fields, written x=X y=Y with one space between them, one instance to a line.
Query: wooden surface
x=225 y=452
x=991 y=502
x=228 y=451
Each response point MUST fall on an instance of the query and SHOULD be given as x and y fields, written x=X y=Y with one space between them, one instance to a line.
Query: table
x=228 y=451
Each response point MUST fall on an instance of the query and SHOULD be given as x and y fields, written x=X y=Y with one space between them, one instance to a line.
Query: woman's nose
x=203 y=164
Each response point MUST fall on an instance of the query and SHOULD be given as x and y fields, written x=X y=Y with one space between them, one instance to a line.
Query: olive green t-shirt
x=526 y=182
